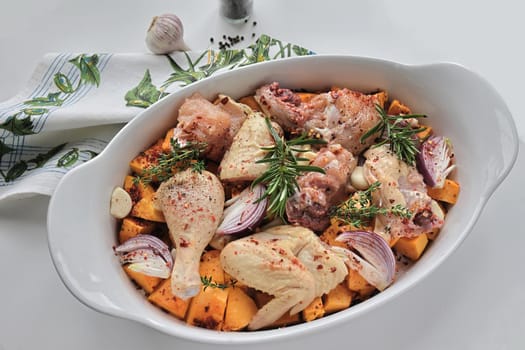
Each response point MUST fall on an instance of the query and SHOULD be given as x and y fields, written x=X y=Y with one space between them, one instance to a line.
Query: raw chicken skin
x=201 y=121
x=310 y=206
x=339 y=116
x=192 y=204
x=290 y=263
x=400 y=184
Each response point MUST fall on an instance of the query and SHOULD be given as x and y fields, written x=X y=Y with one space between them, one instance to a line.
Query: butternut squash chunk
x=147 y=158
x=208 y=307
x=412 y=248
x=314 y=311
x=134 y=226
x=240 y=310
x=137 y=190
x=145 y=209
x=148 y=283
x=448 y=194
x=251 y=102
x=164 y=298
x=355 y=282
x=306 y=96
x=166 y=143
x=397 y=108
x=337 y=299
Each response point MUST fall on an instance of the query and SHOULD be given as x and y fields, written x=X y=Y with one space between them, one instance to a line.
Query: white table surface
x=475 y=300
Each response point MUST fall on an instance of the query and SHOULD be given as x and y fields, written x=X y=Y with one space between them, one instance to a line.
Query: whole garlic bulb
x=165 y=34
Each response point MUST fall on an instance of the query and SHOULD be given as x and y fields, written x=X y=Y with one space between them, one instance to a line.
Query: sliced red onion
x=376 y=262
x=245 y=212
x=146 y=254
x=433 y=160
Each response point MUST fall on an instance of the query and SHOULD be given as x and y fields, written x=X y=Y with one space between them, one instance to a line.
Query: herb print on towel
x=73 y=81
x=208 y=63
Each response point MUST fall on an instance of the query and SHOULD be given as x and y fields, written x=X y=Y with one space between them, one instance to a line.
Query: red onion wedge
x=146 y=254
x=433 y=160
x=244 y=212
x=376 y=262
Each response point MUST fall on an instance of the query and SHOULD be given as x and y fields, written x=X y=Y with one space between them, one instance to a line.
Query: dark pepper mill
x=236 y=11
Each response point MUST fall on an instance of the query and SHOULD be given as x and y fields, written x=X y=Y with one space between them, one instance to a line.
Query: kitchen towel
x=75 y=103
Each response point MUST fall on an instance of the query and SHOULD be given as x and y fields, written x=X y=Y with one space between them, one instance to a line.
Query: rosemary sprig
x=284 y=168
x=207 y=281
x=358 y=210
x=394 y=130
x=179 y=158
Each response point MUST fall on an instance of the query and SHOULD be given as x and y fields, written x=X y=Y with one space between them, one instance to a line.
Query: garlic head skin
x=165 y=34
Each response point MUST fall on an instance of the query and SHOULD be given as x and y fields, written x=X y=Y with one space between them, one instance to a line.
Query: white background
x=475 y=300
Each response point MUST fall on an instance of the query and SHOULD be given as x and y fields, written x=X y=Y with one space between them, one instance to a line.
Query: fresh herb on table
x=179 y=158
x=397 y=132
x=207 y=281
x=358 y=210
x=284 y=168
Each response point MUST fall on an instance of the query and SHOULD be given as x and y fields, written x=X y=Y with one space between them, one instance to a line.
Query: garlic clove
x=165 y=34
x=121 y=203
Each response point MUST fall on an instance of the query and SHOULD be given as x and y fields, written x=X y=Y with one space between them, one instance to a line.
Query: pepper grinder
x=236 y=11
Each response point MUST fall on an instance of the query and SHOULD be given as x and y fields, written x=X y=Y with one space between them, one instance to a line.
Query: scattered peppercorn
x=254 y=23
x=211 y=40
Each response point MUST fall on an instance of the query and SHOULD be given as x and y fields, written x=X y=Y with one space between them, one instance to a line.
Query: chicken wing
x=290 y=263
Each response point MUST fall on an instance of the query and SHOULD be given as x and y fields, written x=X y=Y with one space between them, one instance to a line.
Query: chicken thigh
x=339 y=116
x=310 y=205
x=290 y=263
x=403 y=185
x=192 y=204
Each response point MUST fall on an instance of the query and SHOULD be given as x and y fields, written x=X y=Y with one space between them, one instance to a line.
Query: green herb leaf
x=4 y=149
x=207 y=281
x=89 y=73
x=144 y=94
x=395 y=131
x=281 y=176
x=17 y=170
x=51 y=99
x=42 y=158
x=63 y=83
x=179 y=158
x=358 y=210
x=17 y=126
x=69 y=158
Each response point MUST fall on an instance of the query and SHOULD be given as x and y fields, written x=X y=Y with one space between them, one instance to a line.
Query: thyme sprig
x=284 y=168
x=177 y=159
x=394 y=130
x=358 y=210
x=207 y=281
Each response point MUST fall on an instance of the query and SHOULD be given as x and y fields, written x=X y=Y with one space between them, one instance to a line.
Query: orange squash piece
x=355 y=282
x=240 y=310
x=412 y=248
x=148 y=283
x=397 y=108
x=134 y=226
x=337 y=299
x=314 y=311
x=147 y=158
x=448 y=194
x=251 y=102
x=145 y=209
x=208 y=307
x=164 y=298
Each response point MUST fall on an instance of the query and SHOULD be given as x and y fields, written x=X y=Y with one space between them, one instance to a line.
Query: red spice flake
x=254 y=241
x=213 y=218
x=183 y=243
x=282 y=251
x=295 y=261
x=333 y=269
x=317 y=257
x=319 y=267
